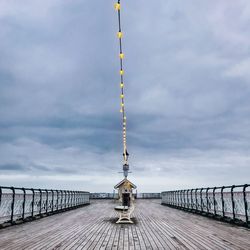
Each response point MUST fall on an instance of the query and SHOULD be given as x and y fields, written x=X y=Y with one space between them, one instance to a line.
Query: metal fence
x=148 y=196
x=103 y=195
x=22 y=204
x=229 y=203
x=115 y=195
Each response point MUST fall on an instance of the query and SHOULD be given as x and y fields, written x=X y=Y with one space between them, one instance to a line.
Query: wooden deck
x=93 y=227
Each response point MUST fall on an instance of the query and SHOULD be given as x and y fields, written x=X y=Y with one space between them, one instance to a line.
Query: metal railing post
x=222 y=201
x=80 y=198
x=73 y=202
x=61 y=199
x=12 y=205
x=245 y=202
x=68 y=197
x=207 y=199
x=192 y=201
x=41 y=200
x=76 y=194
x=214 y=200
x=52 y=201
x=65 y=199
x=180 y=198
x=196 y=199
x=232 y=199
x=175 y=198
x=201 y=199
x=33 y=202
x=24 y=202
x=184 y=198
x=74 y=198
x=47 y=200
x=189 y=199
x=71 y=199
x=57 y=200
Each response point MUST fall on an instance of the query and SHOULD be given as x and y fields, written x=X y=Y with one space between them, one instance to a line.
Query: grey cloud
x=12 y=167
x=186 y=87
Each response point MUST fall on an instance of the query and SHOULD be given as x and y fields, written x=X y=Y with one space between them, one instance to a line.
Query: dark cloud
x=187 y=93
x=12 y=167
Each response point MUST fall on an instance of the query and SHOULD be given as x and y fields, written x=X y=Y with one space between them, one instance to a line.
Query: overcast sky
x=187 y=84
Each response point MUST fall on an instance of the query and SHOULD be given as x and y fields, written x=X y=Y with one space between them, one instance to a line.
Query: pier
x=163 y=84
x=155 y=227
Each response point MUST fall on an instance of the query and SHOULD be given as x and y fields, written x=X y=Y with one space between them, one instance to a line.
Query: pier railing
x=229 y=203
x=148 y=195
x=23 y=204
x=115 y=195
x=103 y=196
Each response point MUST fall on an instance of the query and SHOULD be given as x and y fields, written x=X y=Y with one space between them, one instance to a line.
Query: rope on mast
x=122 y=110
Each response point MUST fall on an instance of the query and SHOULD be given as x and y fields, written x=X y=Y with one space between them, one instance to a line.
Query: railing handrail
x=226 y=202
x=33 y=202
x=203 y=188
x=42 y=189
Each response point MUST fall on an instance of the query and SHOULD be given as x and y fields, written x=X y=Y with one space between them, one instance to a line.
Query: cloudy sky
x=187 y=83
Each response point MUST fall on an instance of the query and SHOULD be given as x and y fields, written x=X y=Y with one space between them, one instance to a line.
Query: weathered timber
x=155 y=227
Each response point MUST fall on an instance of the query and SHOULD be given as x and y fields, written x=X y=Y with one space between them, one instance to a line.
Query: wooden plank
x=136 y=239
x=121 y=237
x=131 y=242
x=116 y=238
x=141 y=240
x=110 y=242
x=107 y=239
x=93 y=227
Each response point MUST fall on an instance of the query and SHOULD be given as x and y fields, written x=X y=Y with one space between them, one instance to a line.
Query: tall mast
x=122 y=96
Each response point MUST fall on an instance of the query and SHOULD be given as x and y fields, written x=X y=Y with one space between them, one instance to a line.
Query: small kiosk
x=126 y=198
x=125 y=192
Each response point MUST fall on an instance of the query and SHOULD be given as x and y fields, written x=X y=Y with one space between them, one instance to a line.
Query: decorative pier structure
x=155 y=226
